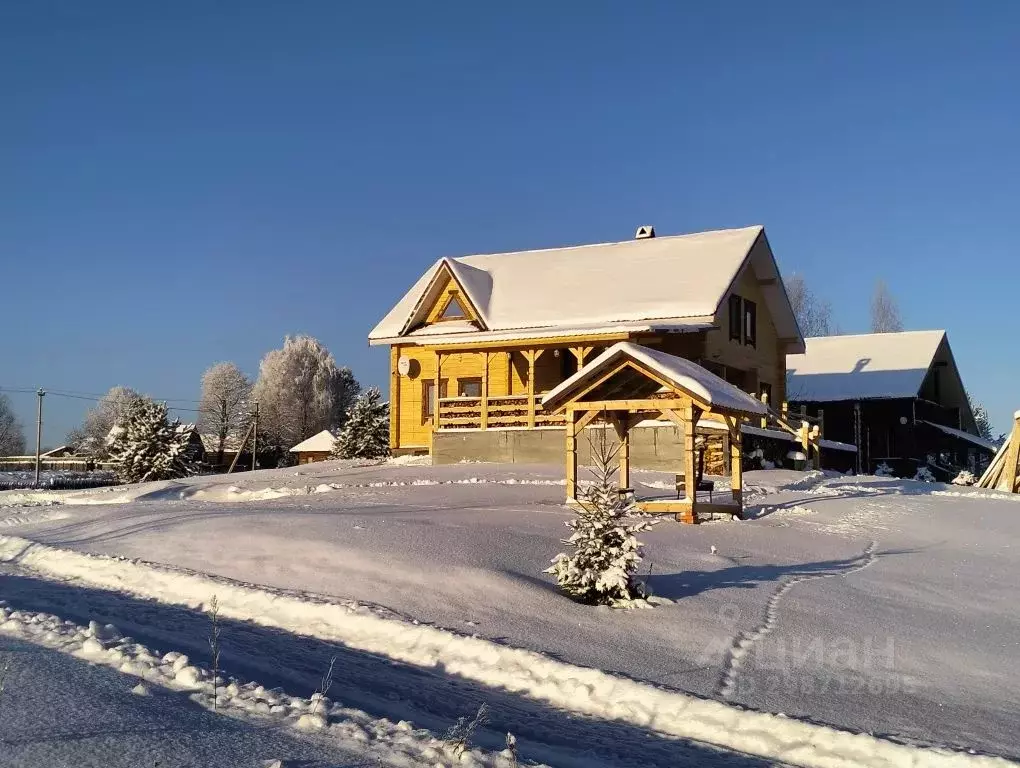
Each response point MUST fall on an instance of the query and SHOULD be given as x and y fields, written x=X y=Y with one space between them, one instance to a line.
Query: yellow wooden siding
x=763 y=361
x=450 y=290
x=508 y=369
x=412 y=429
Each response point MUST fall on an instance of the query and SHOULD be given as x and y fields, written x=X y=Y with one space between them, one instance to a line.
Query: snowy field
x=869 y=605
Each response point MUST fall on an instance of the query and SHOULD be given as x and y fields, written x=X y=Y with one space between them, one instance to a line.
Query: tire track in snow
x=745 y=641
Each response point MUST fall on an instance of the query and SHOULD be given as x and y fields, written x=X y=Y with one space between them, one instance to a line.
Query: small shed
x=315 y=448
x=628 y=383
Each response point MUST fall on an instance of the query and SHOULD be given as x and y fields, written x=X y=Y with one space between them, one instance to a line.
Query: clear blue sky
x=186 y=182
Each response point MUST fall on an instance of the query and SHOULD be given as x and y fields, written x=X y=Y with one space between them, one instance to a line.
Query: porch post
x=485 y=391
x=622 y=425
x=531 y=388
x=571 y=421
x=438 y=393
x=532 y=355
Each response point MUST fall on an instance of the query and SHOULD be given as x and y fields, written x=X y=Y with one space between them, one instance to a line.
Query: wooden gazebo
x=629 y=383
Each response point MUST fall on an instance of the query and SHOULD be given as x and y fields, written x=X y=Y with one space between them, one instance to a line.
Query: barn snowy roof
x=683 y=374
x=679 y=279
x=864 y=367
x=321 y=442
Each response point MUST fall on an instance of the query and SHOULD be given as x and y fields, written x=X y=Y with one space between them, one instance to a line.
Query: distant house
x=315 y=448
x=60 y=452
x=477 y=340
x=211 y=446
x=898 y=397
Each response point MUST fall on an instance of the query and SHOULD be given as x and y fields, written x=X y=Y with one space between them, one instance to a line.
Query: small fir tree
x=149 y=446
x=606 y=553
x=366 y=433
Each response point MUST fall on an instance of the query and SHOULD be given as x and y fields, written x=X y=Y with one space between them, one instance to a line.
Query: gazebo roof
x=646 y=372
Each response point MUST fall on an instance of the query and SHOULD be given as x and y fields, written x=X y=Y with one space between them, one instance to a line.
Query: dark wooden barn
x=898 y=397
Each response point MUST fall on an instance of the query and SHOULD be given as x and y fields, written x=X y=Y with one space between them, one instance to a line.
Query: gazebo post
x=622 y=425
x=571 y=455
x=690 y=465
x=736 y=455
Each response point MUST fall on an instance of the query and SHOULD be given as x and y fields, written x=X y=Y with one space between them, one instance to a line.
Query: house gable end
x=444 y=291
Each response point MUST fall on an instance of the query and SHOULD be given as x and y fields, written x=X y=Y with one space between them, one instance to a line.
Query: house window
x=428 y=399
x=454 y=310
x=735 y=318
x=469 y=387
x=750 y=323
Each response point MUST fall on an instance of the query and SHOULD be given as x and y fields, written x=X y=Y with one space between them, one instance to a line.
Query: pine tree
x=606 y=553
x=981 y=420
x=366 y=432
x=149 y=446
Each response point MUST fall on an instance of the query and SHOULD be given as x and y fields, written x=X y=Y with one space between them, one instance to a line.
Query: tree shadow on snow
x=689 y=583
x=431 y=698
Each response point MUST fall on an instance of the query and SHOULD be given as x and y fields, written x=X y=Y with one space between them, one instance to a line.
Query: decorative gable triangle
x=454 y=310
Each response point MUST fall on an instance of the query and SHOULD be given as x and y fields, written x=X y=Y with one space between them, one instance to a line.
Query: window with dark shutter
x=750 y=323
x=736 y=318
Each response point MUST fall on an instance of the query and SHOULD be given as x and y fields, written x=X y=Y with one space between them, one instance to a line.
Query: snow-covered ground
x=869 y=604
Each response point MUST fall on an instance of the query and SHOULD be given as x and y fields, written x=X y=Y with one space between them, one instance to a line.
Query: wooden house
x=477 y=340
x=315 y=448
x=898 y=397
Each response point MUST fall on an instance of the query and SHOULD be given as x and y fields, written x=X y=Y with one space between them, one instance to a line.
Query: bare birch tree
x=814 y=315
x=12 y=434
x=885 y=312
x=225 y=408
x=301 y=391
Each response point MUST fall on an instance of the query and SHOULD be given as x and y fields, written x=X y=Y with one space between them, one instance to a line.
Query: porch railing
x=495 y=412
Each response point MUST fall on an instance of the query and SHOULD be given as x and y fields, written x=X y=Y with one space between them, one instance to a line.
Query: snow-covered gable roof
x=682 y=278
x=863 y=367
x=321 y=442
x=683 y=374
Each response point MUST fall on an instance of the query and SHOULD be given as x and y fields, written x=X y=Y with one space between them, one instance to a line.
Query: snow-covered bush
x=606 y=553
x=148 y=446
x=966 y=477
x=366 y=433
x=884 y=470
x=924 y=475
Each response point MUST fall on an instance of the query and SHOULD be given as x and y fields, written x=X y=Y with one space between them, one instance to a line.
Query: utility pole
x=255 y=437
x=40 y=393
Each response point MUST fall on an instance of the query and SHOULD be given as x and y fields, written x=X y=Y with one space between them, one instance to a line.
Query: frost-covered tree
x=225 y=408
x=366 y=432
x=147 y=445
x=814 y=315
x=301 y=391
x=90 y=438
x=606 y=553
x=885 y=312
x=12 y=434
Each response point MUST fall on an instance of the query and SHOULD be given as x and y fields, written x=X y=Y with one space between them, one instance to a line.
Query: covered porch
x=629 y=383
